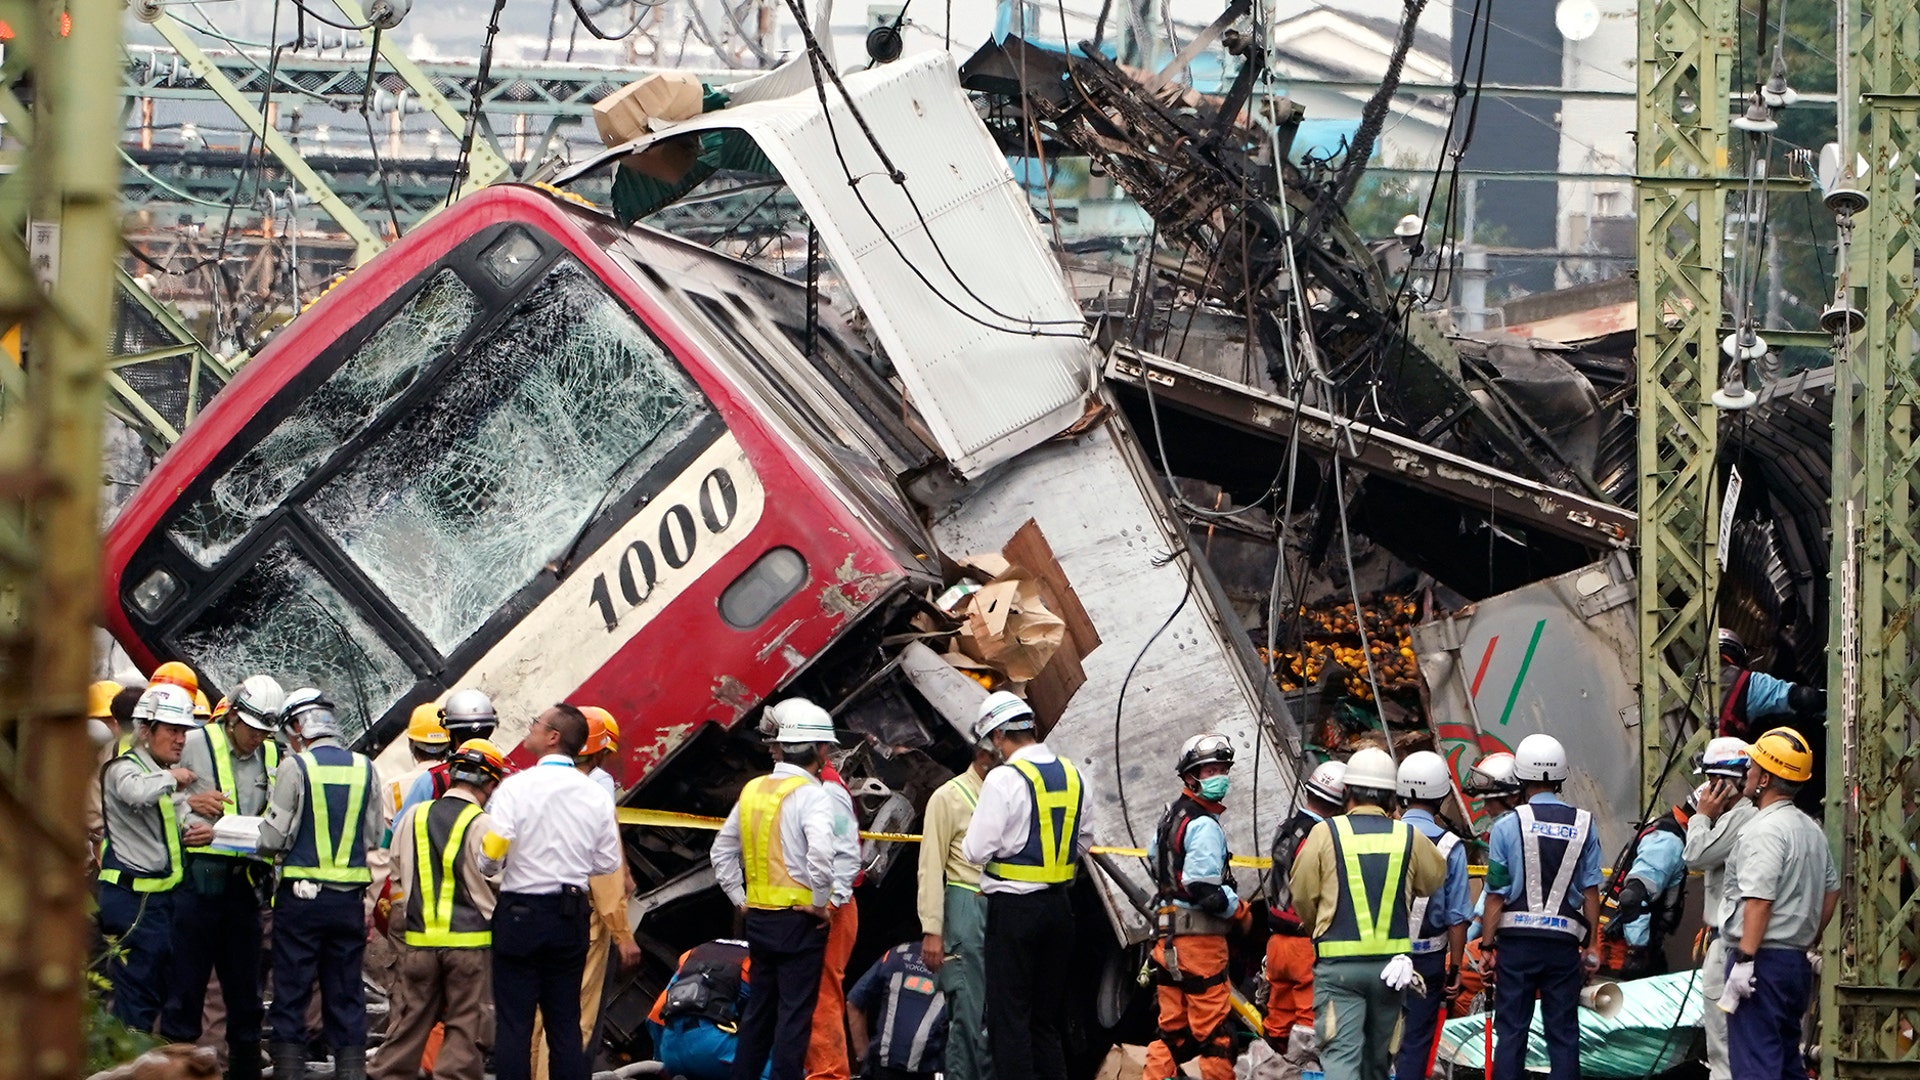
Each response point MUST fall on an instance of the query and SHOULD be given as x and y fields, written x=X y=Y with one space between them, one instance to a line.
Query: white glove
x=1398 y=974
x=1739 y=986
x=1816 y=958
x=1303 y=1045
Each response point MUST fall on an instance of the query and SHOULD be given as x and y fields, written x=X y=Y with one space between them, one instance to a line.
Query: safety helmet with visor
x=1207 y=748
x=259 y=702
x=1725 y=756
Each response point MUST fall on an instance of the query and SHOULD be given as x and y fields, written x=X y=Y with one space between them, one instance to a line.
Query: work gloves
x=1739 y=986
x=1399 y=974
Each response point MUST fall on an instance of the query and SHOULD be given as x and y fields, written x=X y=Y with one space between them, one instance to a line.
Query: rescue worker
x=1491 y=783
x=468 y=713
x=1362 y=937
x=141 y=862
x=1438 y=922
x=428 y=743
x=323 y=815
x=553 y=830
x=1543 y=910
x=100 y=697
x=1028 y=834
x=608 y=931
x=828 y=1056
x=1647 y=897
x=1751 y=697
x=445 y=906
x=1781 y=888
x=1288 y=1024
x=953 y=919
x=898 y=1018
x=111 y=743
x=1711 y=834
x=217 y=910
x=603 y=740
x=774 y=859
x=695 y=1020
x=1196 y=909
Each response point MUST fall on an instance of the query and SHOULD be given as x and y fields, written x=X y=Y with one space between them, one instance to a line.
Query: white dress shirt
x=1001 y=821
x=560 y=826
x=807 y=819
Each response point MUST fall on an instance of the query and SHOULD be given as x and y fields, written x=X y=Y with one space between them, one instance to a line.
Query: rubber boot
x=289 y=1060
x=243 y=1061
x=349 y=1063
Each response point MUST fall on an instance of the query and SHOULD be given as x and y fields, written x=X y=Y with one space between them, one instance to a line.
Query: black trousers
x=324 y=938
x=785 y=951
x=539 y=958
x=216 y=929
x=1029 y=951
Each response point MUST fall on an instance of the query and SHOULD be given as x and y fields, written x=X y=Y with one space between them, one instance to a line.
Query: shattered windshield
x=337 y=410
x=282 y=618
x=524 y=438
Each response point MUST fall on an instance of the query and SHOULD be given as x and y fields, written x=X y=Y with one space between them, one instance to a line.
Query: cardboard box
x=629 y=112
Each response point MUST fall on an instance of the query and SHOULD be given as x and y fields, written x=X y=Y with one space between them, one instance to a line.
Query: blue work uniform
x=1541 y=859
x=1661 y=863
x=1431 y=917
x=906 y=1014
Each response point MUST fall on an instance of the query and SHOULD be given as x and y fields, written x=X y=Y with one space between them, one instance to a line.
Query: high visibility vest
x=960 y=787
x=115 y=872
x=1552 y=836
x=1370 y=918
x=1049 y=857
x=221 y=750
x=440 y=914
x=328 y=846
x=1433 y=937
x=770 y=887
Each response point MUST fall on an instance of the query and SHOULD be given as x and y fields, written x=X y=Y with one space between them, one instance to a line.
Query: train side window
x=760 y=590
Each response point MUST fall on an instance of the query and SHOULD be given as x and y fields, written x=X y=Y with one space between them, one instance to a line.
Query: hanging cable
x=473 y=112
x=373 y=144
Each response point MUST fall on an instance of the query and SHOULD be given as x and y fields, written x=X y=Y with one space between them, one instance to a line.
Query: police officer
x=1363 y=938
x=1028 y=833
x=1781 y=888
x=1646 y=900
x=774 y=858
x=1439 y=922
x=445 y=909
x=324 y=813
x=141 y=861
x=216 y=917
x=1197 y=908
x=1723 y=809
x=1289 y=1020
x=1543 y=907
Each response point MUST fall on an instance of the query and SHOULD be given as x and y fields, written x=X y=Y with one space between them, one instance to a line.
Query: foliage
x=110 y=1042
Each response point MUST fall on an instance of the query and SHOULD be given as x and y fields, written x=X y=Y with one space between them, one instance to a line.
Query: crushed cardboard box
x=629 y=112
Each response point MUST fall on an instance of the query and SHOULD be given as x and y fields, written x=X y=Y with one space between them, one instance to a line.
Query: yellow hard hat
x=477 y=760
x=603 y=733
x=1785 y=753
x=100 y=699
x=177 y=673
x=424 y=726
x=202 y=708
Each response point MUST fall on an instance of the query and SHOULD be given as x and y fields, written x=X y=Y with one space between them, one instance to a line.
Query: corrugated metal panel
x=991 y=343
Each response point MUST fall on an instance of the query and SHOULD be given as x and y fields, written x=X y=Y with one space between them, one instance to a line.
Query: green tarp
x=1652 y=1033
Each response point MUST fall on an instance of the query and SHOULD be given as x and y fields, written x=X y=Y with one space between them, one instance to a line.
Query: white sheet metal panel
x=1109 y=527
x=991 y=345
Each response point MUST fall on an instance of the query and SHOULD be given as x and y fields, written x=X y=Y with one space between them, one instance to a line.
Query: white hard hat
x=165 y=703
x=1493 y=775
x=1424 y=775
x=259 y=702
x=1002 y=711
x=1207 y=748
x=99 y=731
x=798 y=722
x=1724 y=756
x=1371 y=768
x=1540 y=758
x=1329 y=782
x=310 y=714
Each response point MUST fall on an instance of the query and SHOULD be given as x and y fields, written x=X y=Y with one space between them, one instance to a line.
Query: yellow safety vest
x=333 y=860
x=169 y=825
x=436 y=900
x=762 y=855
x=1049 y=857
x=222 y=753
x=1357 y=930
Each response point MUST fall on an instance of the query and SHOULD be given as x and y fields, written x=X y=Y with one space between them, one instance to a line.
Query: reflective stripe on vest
x=1049 y=857
x=763 y=856
x=115 y=872
x=1543 y=908
x=959 y=784
x=221 y=751
x=1357 y=929
x=333 y=859
x=1417 y=915
x=436 y=896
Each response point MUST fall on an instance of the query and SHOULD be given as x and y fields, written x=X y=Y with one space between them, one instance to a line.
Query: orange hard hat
x=220 y=707
x=477 y=761
x=177 y=673
x=603 y=732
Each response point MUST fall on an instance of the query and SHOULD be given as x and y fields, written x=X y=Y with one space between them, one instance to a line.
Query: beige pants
x=593 y=983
